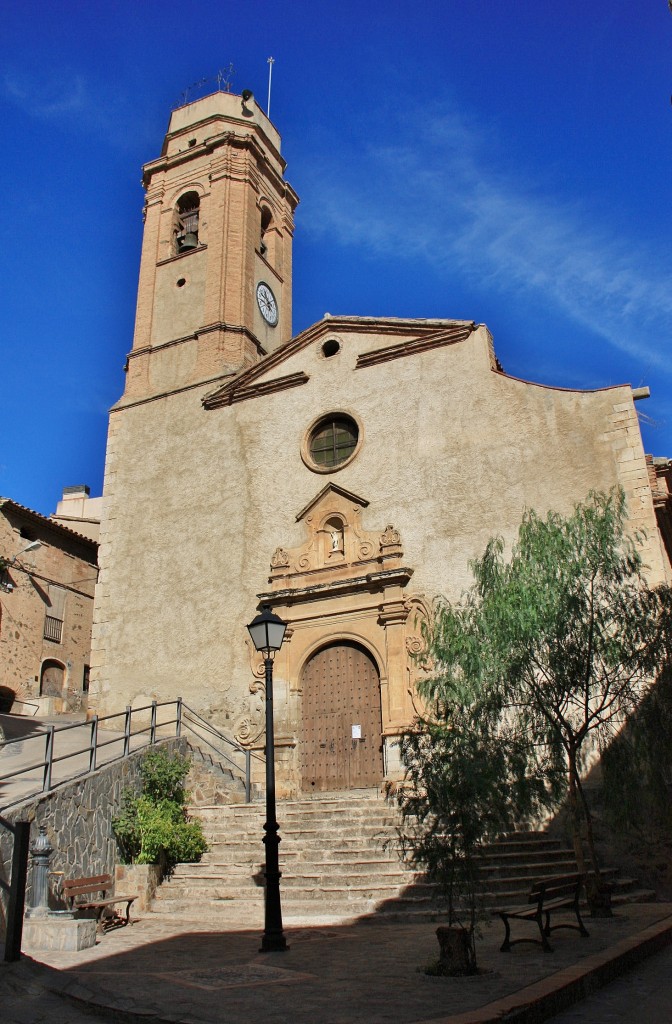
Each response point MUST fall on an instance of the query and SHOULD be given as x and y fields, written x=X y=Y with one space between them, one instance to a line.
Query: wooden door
x=52 y=679
x=341 y=742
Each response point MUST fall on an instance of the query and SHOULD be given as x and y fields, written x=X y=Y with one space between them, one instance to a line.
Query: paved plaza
x=353 y=973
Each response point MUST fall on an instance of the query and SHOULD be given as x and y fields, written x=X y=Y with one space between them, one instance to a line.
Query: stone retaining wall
x=78 y=817
x=209 y=782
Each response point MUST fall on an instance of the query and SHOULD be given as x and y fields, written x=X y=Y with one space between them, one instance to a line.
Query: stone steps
x=332 y=859
x=292 y=869
x=339 y=859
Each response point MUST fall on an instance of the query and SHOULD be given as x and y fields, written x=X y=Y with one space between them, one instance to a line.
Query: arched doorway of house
x=341 y=741
x=51 y=679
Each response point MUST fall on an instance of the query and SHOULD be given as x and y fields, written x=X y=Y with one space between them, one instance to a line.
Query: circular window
x=332 y=442
x=331 y=348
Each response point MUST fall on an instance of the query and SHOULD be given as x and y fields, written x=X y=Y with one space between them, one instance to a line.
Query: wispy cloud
x=438 y=194
x=49 y=98
x=70 y=101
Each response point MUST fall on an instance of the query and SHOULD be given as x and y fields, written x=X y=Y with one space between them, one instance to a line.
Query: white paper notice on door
x=356 y=732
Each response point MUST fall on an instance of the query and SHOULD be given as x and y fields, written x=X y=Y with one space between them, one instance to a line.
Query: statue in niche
x=334 y=530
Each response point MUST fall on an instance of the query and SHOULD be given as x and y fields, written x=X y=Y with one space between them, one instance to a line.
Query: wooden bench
x=546 y=898
x=76 y=890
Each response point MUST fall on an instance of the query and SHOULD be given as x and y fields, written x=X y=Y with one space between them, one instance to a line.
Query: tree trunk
x=577 y=841
x=457 y=956
x=597 y=895
x=589 y=832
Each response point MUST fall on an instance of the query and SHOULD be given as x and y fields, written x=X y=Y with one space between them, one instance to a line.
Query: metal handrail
x=184 y=718
x=25 y=704
x=209 y=728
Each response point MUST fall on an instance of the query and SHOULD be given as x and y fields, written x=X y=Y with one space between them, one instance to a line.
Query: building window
x=53 y=629
x=85 y=679
x=332 y=442
x=186 y=222
x=54 y=614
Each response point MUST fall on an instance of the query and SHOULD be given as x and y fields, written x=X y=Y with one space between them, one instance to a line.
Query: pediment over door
x=337 y=549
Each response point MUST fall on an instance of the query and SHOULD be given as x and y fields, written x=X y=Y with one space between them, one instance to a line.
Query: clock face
x=268 y=307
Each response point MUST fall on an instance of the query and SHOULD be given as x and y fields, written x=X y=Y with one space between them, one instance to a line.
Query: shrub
x=154 y=828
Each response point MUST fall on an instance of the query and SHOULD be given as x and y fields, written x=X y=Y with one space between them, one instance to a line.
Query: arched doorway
x=51 y=679
x=341 y=742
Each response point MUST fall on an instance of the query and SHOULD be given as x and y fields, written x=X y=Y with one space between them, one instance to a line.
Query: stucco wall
x=452 y=452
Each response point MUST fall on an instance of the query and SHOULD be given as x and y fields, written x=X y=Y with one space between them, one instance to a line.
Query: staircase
x=339 y=860
x=513 y=863
x=333 y=861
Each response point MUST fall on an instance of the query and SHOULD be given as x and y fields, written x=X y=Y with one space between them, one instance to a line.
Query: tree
x=465 y=783
x=560 y=641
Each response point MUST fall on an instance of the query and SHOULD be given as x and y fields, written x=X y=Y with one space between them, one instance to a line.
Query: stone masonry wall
x=210 y=782
x=78 y=817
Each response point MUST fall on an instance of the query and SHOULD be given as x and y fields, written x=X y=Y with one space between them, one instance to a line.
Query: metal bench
x=546 y=898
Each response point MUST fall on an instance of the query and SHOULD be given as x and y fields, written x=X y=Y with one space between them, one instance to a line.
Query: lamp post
x=268 y=631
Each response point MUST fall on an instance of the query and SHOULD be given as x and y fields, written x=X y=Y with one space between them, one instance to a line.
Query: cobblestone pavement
x=643 y=994
x=347 y=974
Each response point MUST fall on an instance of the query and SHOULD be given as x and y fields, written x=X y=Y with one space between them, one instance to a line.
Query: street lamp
x=268 y=631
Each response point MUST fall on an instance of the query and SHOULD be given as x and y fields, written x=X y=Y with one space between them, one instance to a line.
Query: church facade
x=346 y=475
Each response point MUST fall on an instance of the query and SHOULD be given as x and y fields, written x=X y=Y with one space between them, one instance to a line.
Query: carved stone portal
x=343 y=585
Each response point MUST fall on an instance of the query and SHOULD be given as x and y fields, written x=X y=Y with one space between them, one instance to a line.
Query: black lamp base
x=273 y=944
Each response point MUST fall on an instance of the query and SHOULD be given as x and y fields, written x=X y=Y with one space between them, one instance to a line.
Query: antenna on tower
x=270 y=62
x=224 y=76
x=187 y=92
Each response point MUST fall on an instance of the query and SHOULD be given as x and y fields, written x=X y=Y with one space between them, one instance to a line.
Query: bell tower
x=215 y=287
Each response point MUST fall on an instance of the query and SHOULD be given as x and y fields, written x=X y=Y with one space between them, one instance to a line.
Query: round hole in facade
x=181 y=281
x=333 y=441
x=331 y=348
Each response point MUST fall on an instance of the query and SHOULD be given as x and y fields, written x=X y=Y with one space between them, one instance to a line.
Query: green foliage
x=154 y=828
x=546 y=651
x=571 y=636
x=163 y=774
x=465 y=784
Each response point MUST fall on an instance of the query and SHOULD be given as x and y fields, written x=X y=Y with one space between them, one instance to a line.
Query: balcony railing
x=53 y=629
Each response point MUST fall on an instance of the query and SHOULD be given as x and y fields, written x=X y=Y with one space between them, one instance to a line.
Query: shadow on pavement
x=363 y=971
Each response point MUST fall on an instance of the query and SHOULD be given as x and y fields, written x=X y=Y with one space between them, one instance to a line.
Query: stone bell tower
x=215 y=287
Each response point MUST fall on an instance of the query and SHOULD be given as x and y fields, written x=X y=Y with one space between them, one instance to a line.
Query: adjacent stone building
x=346 y=475
x=78 y=510
x=47 y=578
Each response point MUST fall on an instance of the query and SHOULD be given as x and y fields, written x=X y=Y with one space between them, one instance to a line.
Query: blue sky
x=506 y=163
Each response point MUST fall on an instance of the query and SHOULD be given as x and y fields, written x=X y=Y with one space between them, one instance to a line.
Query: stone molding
x=449 y=336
